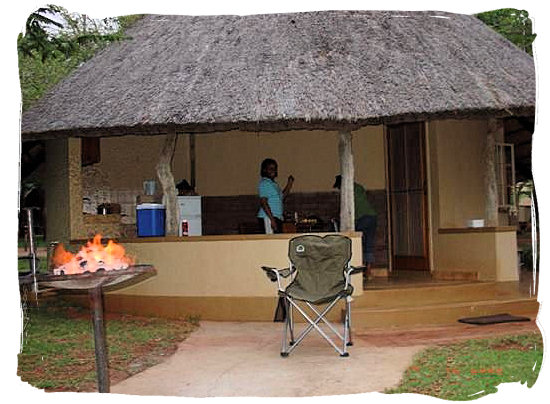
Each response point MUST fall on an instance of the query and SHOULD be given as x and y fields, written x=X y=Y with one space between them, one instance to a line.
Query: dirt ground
x=221 y=359
x=443 y=335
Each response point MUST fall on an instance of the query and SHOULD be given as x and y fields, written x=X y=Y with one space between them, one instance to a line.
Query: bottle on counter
x=184 y=228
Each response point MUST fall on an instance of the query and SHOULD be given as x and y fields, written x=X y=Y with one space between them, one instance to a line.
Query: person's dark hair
x=183 y=185
x=266 y=163
x=337 y=182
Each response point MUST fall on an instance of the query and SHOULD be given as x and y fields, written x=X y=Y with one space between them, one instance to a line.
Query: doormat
x=494 y=319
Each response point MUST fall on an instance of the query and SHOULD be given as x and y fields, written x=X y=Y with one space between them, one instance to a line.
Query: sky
x=13 y=23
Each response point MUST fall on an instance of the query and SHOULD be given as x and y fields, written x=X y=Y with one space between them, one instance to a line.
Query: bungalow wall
x=457 y=194
x=457 y=147
x=227 y=164
x=127 y=161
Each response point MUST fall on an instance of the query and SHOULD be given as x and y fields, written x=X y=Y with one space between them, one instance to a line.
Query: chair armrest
x=274 y=273
x=355 y=270
x=271 y=273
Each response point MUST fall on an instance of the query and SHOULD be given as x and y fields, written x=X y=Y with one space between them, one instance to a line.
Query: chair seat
x=295 y=291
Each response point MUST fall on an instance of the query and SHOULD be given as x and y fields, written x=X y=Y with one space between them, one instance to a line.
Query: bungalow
x=413 y=105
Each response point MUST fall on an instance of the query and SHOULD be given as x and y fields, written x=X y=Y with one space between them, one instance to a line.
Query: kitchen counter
x=216 y=277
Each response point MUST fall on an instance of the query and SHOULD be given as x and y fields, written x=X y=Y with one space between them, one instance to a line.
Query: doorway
x=407 y=191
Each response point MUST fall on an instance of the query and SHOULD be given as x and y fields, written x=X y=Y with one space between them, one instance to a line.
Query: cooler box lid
x=150 y=206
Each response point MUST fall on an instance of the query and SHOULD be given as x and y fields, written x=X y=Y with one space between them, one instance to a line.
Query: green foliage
x=471 y=369
x=36 y=37
x=45 y=58
x=515 y=25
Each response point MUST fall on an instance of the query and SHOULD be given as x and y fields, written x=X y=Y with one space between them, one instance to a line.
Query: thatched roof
x=330 y=69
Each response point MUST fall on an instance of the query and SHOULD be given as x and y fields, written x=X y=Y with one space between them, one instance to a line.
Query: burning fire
x=91 y=258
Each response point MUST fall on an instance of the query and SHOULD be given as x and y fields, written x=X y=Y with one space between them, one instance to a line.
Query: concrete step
x=433 y=294
x=438 y=314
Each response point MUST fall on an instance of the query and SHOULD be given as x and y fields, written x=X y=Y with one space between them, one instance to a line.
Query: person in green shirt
x=365 y=220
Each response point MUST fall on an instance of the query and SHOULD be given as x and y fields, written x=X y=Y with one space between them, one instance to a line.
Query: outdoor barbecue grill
x=94 y=283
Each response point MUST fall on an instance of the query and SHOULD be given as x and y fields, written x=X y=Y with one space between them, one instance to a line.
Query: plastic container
x=149 y=187
x=150 y=218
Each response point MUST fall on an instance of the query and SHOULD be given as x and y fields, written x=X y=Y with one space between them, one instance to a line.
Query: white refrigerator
x=190 y=210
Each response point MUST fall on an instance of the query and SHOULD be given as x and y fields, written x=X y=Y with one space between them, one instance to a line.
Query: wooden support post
x=164 y=173
x=490 y=178
x=192 y=159
x=347 y=203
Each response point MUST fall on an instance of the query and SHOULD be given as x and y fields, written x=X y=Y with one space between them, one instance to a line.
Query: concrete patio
x=224 y=359
x=242 y=359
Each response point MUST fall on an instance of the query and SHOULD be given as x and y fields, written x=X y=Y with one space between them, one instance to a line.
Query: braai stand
x=101 y=360
x=95 y=283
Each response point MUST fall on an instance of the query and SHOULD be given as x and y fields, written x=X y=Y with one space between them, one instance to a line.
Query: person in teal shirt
x=365 y=220
x=270 y=214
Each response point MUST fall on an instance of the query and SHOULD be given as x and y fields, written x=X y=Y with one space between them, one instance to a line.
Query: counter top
x=227 y=237
x=224 y=237
x=498 y=229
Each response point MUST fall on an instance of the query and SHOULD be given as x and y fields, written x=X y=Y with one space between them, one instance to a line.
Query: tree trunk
x=164 y=173
x=490 y=178
x=347 y=202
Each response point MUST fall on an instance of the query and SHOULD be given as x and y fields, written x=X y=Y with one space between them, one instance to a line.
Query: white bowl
x=476 y=223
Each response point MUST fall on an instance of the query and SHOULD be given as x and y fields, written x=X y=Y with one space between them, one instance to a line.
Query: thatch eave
x=276 y=125
x=335 y=70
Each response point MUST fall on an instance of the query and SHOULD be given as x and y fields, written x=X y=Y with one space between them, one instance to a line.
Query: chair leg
x=345 y=337
x=290 y=315
x=288 y=326
x=348 y=318
x=314 y=324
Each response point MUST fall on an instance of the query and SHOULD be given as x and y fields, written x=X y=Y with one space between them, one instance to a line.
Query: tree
x=36 y=37
x=515 y=25
x=56 y=42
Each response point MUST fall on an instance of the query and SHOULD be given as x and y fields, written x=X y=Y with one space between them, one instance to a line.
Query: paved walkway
x=225 y=359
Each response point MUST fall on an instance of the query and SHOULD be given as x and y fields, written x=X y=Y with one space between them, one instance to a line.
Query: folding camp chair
x=320 y=275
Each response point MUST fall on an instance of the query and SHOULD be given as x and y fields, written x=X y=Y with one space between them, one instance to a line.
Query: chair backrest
x=320 y=262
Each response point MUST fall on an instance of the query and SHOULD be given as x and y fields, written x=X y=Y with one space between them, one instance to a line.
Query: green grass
x=472 y=369
x=24 y=265
x=39 y=241
x=58 y=353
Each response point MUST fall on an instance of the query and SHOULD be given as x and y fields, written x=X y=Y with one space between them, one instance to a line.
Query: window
x=506 y=177
x=91 y=151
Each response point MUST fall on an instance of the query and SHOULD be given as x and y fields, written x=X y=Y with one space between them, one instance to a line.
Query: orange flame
x=91 y=258
x=61 y=256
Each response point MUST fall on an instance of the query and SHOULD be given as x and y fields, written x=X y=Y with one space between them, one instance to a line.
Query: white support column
x=164 y=173
x=490 y=178
x=347 y=204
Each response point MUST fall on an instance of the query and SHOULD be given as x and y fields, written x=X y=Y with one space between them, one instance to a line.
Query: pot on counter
x=108 y=208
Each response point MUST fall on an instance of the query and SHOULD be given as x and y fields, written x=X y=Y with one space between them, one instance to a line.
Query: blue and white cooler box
x=150 y=218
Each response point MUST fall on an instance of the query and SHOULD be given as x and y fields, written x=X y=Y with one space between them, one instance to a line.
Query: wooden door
x=408 y=197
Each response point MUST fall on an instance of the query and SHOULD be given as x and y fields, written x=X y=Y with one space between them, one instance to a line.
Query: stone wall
x=237 y=214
